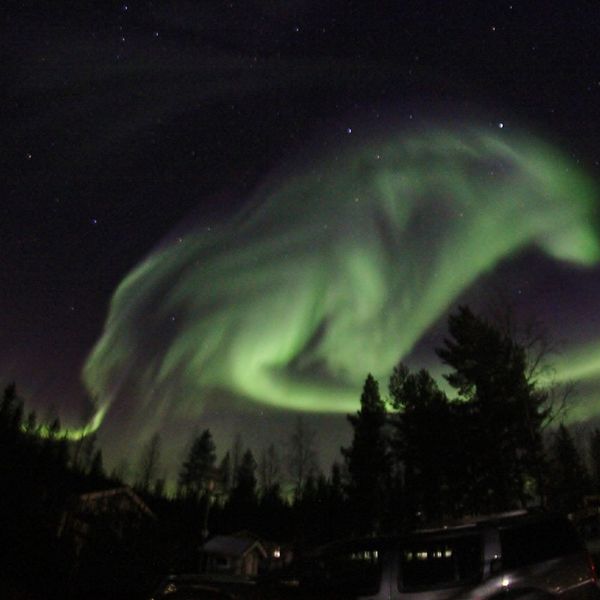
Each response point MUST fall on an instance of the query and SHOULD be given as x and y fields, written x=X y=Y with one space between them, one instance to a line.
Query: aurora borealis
x=338 y=269
x=223 y=215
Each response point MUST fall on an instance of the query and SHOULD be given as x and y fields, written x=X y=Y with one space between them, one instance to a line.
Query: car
x=525 y=555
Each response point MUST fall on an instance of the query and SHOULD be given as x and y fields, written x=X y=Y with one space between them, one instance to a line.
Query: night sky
x=281 y=197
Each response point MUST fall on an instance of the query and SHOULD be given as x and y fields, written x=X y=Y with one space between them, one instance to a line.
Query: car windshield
x=430 y=563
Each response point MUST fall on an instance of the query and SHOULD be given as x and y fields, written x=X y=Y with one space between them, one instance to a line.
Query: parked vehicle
x=525 y=556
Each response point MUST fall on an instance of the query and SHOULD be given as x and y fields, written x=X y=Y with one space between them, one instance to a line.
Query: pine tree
x=506 y=410
x=569 y=480
x=367 y=459
x=246 y=478
x=198 y=469
x=225 y=473
x=424 y=447
x=273 y=513
x=243 y=500
x=11 y=412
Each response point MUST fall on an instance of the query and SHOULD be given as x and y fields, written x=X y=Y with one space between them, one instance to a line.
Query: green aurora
x=337 y=270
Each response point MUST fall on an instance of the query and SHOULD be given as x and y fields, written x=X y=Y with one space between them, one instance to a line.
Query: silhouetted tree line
x=40 y=471
x=418 y=455
x=422 y=457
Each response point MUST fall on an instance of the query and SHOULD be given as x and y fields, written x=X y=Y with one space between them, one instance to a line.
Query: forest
x=491 y=439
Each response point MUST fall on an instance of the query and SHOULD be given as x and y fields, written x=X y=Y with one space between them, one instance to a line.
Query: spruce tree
x=198 y=468
x=245 y=488
x=367 y=459
x=243 y=500
x=424 y=447
x=225 y=473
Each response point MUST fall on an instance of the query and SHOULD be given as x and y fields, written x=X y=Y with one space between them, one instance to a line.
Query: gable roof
x=226 y=545
x=122 y=498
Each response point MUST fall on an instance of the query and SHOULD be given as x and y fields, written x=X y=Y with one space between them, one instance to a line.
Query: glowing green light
x=337 y=272
x=72 y=434
x=580 y=365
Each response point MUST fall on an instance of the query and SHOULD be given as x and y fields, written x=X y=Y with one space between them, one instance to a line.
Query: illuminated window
x=449 y=562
